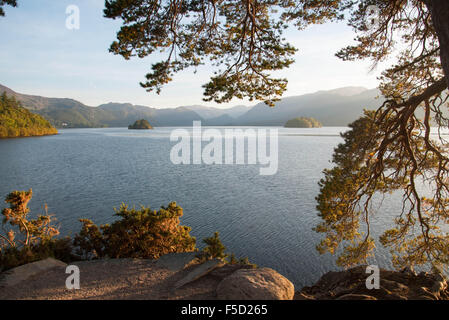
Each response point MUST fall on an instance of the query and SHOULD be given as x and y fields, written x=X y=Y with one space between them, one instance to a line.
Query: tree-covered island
x=303 y=122
x=140 y=124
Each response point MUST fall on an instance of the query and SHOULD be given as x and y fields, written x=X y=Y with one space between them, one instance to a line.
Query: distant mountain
x=205 y=112
x=215 y=113
x=336 y=107
x=59 y=111
x=237 y=111
x=121 y=114
x=345 y=91
x=74 y=114
x=224 y=120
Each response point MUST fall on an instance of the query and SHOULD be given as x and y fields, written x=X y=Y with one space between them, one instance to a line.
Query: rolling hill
x=332 y=108
x=336 y=107
x=63 y=112
x=208 y=113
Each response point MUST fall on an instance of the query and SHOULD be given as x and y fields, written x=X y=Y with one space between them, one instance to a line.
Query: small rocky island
x=303 y=122
x=140 y=125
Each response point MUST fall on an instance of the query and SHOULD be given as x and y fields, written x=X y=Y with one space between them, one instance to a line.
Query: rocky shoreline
x=394 y=285
x=182 y=276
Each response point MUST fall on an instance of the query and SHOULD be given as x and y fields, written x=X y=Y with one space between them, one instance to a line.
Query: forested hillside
x=16 y=121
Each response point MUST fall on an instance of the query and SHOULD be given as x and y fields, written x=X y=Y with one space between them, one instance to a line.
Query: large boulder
x=394 y=285
x=255 y=284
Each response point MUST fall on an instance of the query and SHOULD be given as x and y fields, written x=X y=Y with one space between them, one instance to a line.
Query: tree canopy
x=244 y=39
x=391 y=149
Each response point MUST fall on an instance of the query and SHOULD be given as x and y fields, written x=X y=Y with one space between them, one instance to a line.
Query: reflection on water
x=84 y=173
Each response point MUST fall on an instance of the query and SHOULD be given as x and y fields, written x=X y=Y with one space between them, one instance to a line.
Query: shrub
x=243 y=261
x=143 y=233
x=60 y=249
x=27 y=240
x=89 y=242
x=216 y=250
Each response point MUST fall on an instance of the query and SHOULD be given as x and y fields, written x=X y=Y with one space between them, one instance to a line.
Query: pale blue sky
x=38 y=55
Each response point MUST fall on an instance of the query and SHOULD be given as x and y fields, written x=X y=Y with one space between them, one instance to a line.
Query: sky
x=40 y=56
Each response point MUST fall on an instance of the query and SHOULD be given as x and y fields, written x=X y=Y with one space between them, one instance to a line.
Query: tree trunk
x=439 y=10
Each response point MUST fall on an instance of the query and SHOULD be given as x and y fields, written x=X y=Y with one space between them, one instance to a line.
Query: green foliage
x=242 y=261
x=241 y=36
x=29 y=240
x=244 y=39
x=365 y=167
x=89 y=241
x=140 y=124
x=394 y=148
x=60 y=249
x=303 y=122
x=16 y=121
x=16 y=215
x=216 y=250
x=341 y=185
x=143 y=233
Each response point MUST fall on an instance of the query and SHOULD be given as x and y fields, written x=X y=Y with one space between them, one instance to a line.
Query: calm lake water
x=85 y=173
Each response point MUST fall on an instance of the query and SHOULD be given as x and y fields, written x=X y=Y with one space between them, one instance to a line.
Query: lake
x=85 y=173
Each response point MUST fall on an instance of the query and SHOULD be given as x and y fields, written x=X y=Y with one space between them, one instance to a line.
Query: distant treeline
x=303 y=122
x=16 y=121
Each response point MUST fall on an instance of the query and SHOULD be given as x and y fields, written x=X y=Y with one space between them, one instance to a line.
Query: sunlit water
x=85 y=173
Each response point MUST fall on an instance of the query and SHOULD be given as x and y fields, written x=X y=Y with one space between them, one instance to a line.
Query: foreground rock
x=176 y=261
x=117 y=279
x=14 y=276
x=199 y=271
x=394 y=285
x=255 y=284
x=179 y=276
